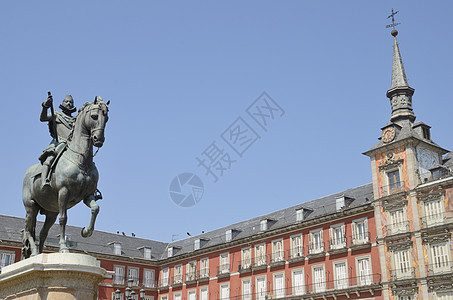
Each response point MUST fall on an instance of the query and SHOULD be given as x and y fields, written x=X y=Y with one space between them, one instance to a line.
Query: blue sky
x=179 y=73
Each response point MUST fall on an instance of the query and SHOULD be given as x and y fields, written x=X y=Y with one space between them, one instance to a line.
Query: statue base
x=54 y=276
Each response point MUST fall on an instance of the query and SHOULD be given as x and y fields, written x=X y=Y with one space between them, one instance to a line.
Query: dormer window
x=300 y=214
x=170 y=252
x=426 y=134
x=147 y=253
x=339 y=202
x=229 y=235
x=117 y=248
x=196 y=244
x=263 y=225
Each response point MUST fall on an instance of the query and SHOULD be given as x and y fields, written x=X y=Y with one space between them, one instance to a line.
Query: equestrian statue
x=66 y=174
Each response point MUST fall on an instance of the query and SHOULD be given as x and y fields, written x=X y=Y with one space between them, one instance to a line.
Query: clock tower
x=401 y=162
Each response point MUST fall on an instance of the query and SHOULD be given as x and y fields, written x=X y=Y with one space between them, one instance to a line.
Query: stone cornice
x=389 y=205
x=437 y=238
x=400 y=246
x=390 y=164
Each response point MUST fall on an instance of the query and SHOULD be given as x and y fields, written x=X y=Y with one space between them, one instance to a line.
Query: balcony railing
x=203 y=274
x=295 y=253
x=404 y=273
x=277 y=257
x=397 y=228
x=440 y=267
x=223 y=270
x=316 y=248
x=163 y=283
x=359 y=239
x=118 y=279
x=150 y=284
x=176 y=280
x=191 y=277
x=245 y=265
x=325 y=288
x=393 y=188
x=259 y=262
x=437 y=219
x=337 y=243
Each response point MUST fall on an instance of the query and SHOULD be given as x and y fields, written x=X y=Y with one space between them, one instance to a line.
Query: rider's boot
x=45 y=180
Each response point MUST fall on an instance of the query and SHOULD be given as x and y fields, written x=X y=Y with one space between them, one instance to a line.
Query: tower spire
x=400 y=93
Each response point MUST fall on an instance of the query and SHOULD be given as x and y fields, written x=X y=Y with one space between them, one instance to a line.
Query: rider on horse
x=60 y=126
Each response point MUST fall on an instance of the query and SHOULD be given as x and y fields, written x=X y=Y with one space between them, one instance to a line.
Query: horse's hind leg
x=28 y=240
x=91 y=203
x=63 y=198
x=51 y=217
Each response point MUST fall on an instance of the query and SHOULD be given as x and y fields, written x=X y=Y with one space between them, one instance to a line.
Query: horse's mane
x=87 y=104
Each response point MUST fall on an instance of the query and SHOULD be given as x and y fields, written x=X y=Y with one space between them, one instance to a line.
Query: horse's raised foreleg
x=50 y=220
x=28 y=240
x=91 y=203
x=63 y=198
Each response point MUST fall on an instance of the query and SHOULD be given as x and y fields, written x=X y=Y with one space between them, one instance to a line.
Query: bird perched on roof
x=189 y=234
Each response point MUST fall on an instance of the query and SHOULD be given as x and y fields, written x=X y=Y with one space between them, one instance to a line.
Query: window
x=170 y=252
x=277 y=251
x=225 y=291
x=394 y=181
x=398 y=222
x=204 y=295
x=263 y=225
x=246 y=289
x=360 y=231
x=296 y=246
x=147 y=253
x=440 y=258
x=191 y=271
x=224 y=263
x=148 y=276
x=132 y=273
x=434 y=212
x=192 y=295
x=149 y=297
x=402 y=261
x=164 y=297
x=300 y=214
x=298 y=282
x=337 y=236
x=178 y=275
x=316 y=244
x=118 y=277
x=196 y=244
x=246 y=258
x=319 y=279
x=177 y=296
x=406 y=298
x=204 y=268
x=341 y=275
x=121 y=296
x=444 y=296
x=6 y=258
x=364 y=271
x=261 y=288
x=279 y=285
x=260 y=255
x=117 y=248
x=164 y=277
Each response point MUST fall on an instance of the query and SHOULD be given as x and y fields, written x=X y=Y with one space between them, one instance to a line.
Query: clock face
x=388 y=134
x=426 y=159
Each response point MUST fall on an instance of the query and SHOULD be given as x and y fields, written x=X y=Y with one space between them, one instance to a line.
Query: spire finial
x=393 y=25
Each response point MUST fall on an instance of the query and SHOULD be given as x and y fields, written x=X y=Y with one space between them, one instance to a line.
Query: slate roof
x=101 y=242
x=448 y=160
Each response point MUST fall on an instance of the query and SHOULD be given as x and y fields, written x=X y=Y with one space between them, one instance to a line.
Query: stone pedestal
x=55 y=276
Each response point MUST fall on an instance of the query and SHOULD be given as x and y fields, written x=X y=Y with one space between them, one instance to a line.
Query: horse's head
x=94 y=119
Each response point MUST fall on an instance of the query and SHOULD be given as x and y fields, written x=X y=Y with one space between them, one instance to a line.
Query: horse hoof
x=86 y=233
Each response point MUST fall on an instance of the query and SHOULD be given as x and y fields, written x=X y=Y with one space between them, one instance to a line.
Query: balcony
x=176 y=281
x=223 y=270
x=350 y=287
x=118 y=279
x=439 y=219
x=163 y=284
x=337 y=245
x=359 y=240
x=440 y=268
x=392 y=189
x=259 y=263
x=277 y=259
x=397 y=228
x=203 y=274
x=295 y=254
x=316 y=250
x=245 y=266
x=149 y=284
x=402 y=274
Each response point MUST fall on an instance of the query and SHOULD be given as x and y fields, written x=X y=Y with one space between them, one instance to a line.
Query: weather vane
x=393 y=20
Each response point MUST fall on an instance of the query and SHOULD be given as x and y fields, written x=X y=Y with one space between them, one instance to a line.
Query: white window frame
x=196 y=244
x=402 y=262
x=434 y=218
x=340 y=282
x=190 y=291
x=229 y=235
x=335 y=241
x=398 y=220
x=191 y=270
x=367 y=280
x=204 y=270
x=263 y=225
x=164 y=297
x=121 y=280
x=224 y=297
x=147 y=254
x=296 y=251
x=319 y=284
x=149 y=282
x=165 y=279
x=278 y=254
x=357 y=237
x=136 y=278
x=202 y=289
x=177 y=274
x=246 y=262
x=117 y=248
x=299 y=214
x=387 y=191
x=3 y=255
x=260 y=255
x=279 y=292
x=298 y=290
x=260 y=295
x=249 y=295
x=440 y=263
x=316 y=247
x=178 y=294
x=224 y=263
x=170 y=252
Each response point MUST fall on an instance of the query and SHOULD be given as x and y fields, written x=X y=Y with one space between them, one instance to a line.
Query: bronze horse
x=74 y=179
